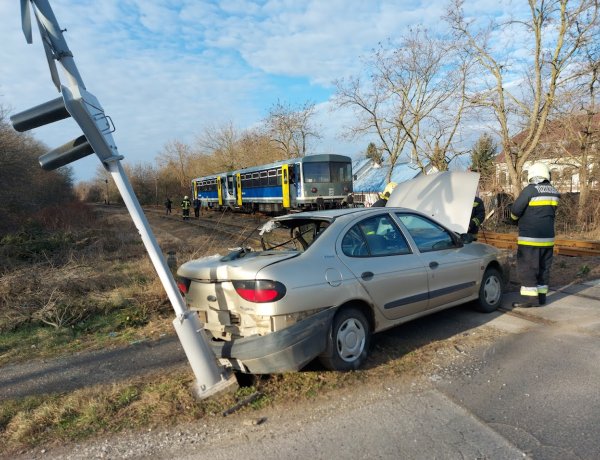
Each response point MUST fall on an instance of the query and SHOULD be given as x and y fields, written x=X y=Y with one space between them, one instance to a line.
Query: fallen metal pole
x=97 y=127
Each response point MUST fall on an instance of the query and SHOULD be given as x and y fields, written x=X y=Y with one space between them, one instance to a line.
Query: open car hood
x=446 y=196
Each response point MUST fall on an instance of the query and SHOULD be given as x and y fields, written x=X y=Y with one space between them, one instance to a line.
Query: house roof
x=561 y=137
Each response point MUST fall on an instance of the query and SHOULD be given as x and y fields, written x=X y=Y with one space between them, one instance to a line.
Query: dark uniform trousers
x=533 y=267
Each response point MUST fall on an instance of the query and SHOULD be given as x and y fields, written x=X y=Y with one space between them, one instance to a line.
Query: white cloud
x=164 y=69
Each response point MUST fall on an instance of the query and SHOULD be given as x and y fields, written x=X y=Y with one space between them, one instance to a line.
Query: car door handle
x=433 y=265
x=366 y=276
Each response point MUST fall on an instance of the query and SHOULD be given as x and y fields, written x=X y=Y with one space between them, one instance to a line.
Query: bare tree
x=521 y=97
x=580 y=121
x=222 y=145
x=26 y=188
x=290 y=128
x=176 y=157
x=413 y=101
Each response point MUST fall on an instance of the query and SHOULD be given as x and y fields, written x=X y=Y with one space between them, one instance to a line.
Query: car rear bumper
x=286 y=350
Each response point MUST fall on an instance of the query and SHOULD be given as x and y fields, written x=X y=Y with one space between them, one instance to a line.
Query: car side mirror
x=467 y=238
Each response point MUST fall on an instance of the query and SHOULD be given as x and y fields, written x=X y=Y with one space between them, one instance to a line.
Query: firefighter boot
x=542 y=299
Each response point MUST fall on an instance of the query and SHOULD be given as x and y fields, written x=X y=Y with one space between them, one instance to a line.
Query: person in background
x=477 y=217
x=196 y=208
x=534 y=212
x=384 y=196
x=168 y=204
x=348 y=201
x=185 y=207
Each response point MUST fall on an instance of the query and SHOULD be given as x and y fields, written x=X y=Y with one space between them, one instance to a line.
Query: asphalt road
x=533 y=393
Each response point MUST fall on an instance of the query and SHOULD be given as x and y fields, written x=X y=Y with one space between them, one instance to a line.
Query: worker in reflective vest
x=185 y=207
x=534 y=212
x=477 y=217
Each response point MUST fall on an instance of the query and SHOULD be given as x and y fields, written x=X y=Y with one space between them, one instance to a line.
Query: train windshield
x=327 y=171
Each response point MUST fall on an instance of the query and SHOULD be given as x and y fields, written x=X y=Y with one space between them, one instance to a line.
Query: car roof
x=332 y=214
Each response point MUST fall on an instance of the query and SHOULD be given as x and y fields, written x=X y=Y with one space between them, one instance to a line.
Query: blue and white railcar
x=315 y=181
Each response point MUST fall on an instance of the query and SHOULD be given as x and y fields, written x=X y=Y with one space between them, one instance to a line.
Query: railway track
x=241 y=227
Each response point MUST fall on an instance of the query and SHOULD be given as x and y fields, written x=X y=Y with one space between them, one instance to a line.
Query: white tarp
x=446 y=196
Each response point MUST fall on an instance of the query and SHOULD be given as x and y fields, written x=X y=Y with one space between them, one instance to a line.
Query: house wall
x=564 y=174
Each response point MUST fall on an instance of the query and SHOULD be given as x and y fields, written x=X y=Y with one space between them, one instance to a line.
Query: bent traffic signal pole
x=85 y=109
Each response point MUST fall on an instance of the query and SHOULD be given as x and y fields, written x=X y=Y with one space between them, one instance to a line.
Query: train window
x=322 y=171
x=279 y=176
x=341 y=172
x=263 y=178
x=272 y=177
x=316 y=172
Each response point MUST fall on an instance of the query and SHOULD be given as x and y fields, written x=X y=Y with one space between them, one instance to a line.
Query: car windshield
x=295 y=235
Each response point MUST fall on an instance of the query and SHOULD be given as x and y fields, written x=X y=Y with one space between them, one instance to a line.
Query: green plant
x=583 y=271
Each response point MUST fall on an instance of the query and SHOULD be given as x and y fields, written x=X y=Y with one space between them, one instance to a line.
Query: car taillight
x=184 y=285
x=259 y=291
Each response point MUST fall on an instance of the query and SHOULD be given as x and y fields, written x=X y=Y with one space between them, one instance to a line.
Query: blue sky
x=166 y=69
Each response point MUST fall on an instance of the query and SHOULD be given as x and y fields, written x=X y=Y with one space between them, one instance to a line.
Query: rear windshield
x=291 y=235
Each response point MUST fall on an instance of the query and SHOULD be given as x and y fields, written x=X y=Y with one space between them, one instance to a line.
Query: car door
x=380 y=257
x=452 y=271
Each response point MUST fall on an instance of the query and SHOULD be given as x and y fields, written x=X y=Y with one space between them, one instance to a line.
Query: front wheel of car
x=348 y=341
x=490 y=291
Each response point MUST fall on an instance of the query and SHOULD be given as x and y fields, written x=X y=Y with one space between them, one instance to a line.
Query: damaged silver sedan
x=324 y=282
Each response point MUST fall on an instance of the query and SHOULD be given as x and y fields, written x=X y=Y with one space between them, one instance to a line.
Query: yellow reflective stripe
x=529 y=291
x=536 y=243
x=544 y=203
x=476 y=220
x=513 y=217
x=542 y=289
x=475 y=204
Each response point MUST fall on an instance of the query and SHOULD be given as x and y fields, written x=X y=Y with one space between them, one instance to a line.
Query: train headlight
x=314 y=190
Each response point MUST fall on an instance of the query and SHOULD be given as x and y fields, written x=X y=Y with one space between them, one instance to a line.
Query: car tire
x=490 y=291
x=348 y=341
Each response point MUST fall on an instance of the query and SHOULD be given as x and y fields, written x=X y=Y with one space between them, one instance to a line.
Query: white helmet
x=538 y=170
x=186 y=197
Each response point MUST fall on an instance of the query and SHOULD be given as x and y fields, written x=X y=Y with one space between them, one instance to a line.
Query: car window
x=376 y=236
x=291 y=235
x=428 y=235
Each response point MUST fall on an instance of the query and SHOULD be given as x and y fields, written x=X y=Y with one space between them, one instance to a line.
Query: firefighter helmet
x=387 y=191
x=186 y=197
x=538 y=170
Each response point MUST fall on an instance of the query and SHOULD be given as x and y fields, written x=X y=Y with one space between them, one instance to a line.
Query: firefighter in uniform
x=477 y=217
x=383 y=197
x=185 y=207
x=534 y=211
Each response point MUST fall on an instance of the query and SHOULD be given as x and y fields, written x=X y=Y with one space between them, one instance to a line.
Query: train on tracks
x=312 y=182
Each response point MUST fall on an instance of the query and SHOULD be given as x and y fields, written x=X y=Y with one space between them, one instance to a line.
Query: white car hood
x=446 y=196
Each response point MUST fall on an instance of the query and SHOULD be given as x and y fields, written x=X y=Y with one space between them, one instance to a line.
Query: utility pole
x=156 y=187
